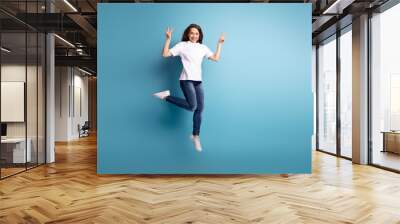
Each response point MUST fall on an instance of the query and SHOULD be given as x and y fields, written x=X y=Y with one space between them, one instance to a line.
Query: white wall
x=79 y=110
x=15 y=72
x=62 y=81
x=71 y=87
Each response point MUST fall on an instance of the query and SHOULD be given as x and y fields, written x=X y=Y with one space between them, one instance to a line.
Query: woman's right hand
x=168 y=33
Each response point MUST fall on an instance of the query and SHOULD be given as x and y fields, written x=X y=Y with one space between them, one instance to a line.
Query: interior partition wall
x=334 y=94
x=22 y=88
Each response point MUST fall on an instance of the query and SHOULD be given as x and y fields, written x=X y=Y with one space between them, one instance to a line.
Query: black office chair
x=84 y=130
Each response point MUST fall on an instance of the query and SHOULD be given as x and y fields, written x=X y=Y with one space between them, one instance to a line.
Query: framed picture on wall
x=12 y=101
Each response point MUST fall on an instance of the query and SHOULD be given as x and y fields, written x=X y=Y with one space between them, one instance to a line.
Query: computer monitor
x=3 y=129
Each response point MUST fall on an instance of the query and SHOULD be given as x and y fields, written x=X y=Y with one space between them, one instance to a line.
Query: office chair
x=84 y=130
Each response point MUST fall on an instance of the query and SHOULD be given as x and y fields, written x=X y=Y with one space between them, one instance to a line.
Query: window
x=385 y=89
x=346 y=92
x=327 y=95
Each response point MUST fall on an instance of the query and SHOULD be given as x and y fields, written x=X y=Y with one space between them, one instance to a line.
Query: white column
x=50 y=92
x=50 y=100
x=360 y=90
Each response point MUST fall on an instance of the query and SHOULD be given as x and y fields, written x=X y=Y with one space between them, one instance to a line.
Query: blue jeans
x=194 y=101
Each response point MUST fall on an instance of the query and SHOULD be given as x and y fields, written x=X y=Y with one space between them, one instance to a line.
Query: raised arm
x=166 y=53
x=216 y=55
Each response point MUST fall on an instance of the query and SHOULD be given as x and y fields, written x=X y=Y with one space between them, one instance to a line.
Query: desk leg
x=384 y=142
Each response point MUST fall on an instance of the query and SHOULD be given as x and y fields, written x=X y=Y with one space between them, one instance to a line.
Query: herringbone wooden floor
x=70 y=191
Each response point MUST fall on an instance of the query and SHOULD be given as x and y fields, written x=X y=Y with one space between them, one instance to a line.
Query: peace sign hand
x=221 y=38
x=168 y=33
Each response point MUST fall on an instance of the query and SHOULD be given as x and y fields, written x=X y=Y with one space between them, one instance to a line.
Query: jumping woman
x=192 y=51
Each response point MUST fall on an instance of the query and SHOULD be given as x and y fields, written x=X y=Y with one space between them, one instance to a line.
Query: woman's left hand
x=221 y=38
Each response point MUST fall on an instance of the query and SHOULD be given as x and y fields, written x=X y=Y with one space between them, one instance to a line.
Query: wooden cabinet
x=391 y=142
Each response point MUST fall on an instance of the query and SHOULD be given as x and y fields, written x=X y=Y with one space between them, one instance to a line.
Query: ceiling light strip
x=70 y=5
x=84 y=71
x=5 y=49
x=64 y=40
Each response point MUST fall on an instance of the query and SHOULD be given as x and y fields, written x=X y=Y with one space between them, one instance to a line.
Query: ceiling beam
x=337 y=6
x=83 y=61
x=83 y=23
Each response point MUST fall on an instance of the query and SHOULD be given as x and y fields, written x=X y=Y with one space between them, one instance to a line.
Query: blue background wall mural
x=258 y=115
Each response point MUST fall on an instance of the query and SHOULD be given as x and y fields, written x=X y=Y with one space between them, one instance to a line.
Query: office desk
x=13 y=150
x=391 y=141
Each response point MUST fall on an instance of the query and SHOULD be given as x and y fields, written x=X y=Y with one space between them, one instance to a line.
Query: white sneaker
x=162 y=95
x=196 y=142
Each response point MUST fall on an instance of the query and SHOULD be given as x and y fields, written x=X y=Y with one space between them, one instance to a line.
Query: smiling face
x=194 y=35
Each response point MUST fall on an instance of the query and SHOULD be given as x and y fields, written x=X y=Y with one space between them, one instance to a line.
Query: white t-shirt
x=192 y=55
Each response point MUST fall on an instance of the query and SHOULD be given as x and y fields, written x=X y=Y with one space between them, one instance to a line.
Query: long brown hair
x=185 y=36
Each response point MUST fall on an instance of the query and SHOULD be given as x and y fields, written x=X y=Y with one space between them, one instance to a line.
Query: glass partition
x=22 y=78
x=14 y=151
